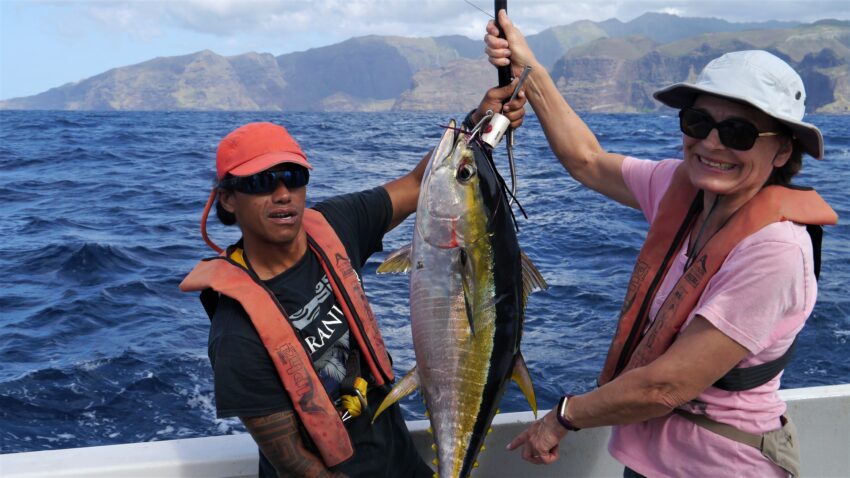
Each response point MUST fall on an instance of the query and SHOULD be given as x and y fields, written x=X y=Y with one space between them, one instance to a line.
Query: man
x=295 y=349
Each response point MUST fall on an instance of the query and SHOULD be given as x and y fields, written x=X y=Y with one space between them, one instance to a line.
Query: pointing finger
x=516 y=442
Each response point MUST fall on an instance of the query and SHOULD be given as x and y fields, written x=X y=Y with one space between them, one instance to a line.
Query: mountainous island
x=608 y=66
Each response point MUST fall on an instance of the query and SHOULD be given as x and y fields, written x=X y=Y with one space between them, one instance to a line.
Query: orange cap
x=256 y=147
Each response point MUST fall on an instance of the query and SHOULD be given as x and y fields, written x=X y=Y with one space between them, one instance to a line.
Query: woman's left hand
x=540 y=441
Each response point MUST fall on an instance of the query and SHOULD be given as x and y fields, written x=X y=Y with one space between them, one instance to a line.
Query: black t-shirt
x=246 y=381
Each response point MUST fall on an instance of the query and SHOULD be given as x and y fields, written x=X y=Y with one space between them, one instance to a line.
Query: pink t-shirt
x=760 y=298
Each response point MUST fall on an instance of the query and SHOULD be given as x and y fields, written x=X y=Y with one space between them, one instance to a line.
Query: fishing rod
x=499 y=120
x=504 y=71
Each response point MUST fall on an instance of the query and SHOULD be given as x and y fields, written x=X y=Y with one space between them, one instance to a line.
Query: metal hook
x=509 y=143
x=477 y=128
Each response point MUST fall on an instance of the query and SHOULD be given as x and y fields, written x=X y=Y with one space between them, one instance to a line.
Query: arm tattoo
x=279 y=438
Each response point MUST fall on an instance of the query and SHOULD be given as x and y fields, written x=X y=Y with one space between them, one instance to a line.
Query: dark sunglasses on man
x=265 y=182
x=735 y=133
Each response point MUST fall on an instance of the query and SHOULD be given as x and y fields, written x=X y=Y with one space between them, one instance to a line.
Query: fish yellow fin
x=522 y=378
x=403 y=388
x=532 y=279
x=397 y=262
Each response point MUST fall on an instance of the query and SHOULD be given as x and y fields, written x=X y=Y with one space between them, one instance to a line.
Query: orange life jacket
x=634 y=345
x=314 y=407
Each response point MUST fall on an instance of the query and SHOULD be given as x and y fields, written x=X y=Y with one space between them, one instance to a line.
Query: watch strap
x=562 y=414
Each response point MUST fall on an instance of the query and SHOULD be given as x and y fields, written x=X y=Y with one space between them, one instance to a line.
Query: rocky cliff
x=608 y=66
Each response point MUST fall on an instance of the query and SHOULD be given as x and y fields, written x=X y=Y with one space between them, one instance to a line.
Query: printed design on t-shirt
x=325 y=332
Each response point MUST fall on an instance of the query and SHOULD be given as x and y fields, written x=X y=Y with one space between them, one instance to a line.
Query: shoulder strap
x=345 y=283
x=746 y=378
x=666 y=235
x=816 y=235
x=209 y=299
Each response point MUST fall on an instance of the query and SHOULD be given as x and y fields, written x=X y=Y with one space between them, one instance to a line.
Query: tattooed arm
x=279 y=438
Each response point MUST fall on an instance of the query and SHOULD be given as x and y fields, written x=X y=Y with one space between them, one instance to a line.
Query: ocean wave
x=80 y=263
x=98 y=402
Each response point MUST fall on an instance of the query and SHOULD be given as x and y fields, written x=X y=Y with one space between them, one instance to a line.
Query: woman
x=724 y=282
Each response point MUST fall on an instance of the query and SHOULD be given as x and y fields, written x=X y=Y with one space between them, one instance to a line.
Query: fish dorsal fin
x=467 y=274
x=522 y=378
x=403 y=388
x=397 y=262
x=532 y=279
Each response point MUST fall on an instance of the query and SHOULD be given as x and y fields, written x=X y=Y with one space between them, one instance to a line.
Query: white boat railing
x=822 y=416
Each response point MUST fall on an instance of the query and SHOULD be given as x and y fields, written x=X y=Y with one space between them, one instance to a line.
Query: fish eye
x=465 y=172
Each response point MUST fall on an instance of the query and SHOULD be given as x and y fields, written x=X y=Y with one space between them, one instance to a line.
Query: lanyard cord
x=691 y=253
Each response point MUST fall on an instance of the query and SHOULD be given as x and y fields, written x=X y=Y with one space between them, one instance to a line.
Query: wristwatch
x=562 y=414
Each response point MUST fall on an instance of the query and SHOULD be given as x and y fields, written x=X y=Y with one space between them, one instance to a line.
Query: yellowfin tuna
x=468 y=288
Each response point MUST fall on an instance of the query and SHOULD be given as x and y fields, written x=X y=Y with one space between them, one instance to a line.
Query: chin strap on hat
x=204 y=217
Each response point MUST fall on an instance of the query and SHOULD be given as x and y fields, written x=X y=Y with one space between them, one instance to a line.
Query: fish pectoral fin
x=403 y=388
x=467 y=275
x=532 y=279
x=522 y=378
x=397 y=262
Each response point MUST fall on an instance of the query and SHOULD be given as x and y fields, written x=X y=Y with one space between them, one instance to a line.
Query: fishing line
x=508 y=192
x=505 y=190
x=479 y=9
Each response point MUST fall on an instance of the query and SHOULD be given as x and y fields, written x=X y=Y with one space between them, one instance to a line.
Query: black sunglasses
x=265 y=182
x=735 y=133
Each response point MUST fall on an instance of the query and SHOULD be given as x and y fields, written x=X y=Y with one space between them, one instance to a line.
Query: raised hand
x=512 y=50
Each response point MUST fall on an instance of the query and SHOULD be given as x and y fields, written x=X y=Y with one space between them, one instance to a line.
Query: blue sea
x=99 y=221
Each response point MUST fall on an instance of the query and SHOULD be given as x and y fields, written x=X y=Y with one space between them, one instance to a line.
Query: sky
x=47 y=43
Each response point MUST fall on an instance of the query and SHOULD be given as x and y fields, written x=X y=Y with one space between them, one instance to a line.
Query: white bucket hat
x=757 y=78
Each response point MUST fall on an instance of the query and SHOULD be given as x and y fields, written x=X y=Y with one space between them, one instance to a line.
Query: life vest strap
x=209 y=299
x=747 y=378
x=722 y=429
x=816 y=235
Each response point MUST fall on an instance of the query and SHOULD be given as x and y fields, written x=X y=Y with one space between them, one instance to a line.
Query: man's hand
x=279 y=438
x=541 y=440
x=514 y=110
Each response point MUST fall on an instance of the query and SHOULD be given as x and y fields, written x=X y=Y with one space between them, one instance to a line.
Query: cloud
x=740 y=11
x=293 y=23
x=343 y=18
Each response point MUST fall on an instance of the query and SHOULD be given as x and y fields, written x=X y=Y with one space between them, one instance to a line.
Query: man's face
x=273 y=218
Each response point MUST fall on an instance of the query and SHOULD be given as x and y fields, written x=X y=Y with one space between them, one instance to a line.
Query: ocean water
x=99 y=221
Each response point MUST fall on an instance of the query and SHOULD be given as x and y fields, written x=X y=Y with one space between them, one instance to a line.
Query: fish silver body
x=467 y=295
